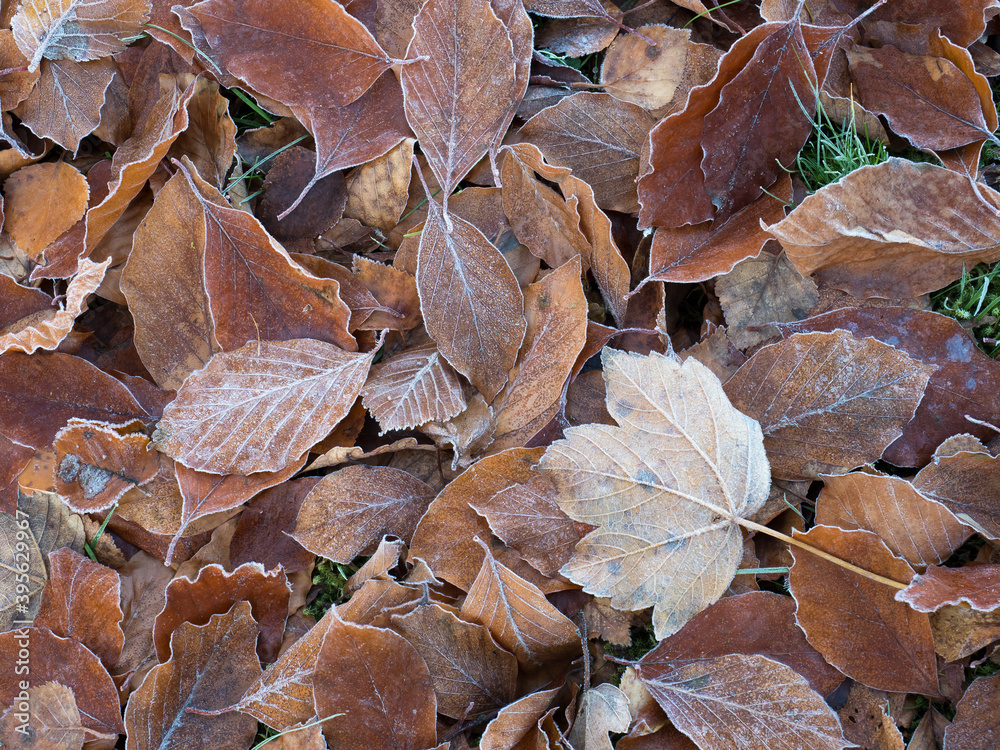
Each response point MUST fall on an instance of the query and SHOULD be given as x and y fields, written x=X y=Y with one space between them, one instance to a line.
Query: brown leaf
x=926 y=98
x=762 y=290
x=377 y=600
x=53 y=722
x=977 y=717
x=62 y=660
x=395 y=291
x=76 y=30
x=960 y=632
x=261 y=407
x=445 y=536
x=657 y=78
x=96 y=465
x=413 y=387
x=470 y=300
x=759 y=123
x=138 y=157
x=866 y=720
x=143 y=587
x=599 y=138
x=556 y=313
x=255 y=289
x=205 y=494
x=758 y=622
x=961 y=385
x=527 y=517
x=377 y=190
x=465 y=665
x=253 y=42
x=81 y=601
x=603 y=709
x=700 y=252
x=381 y=685
x=964 y=478
x=740 y=701
x=214 y=592
x=937 y=222
x=353 y=508
x=18 y=84
x=518 y=615
x=164 y=285
x=667 y=536
x=913 y=527
x=672 y=191
x=975 y=585
x=41 y=201
x=210 y=138
x=393 y=26
x=210 y=667
x=53 y=387
x=828 y=402
x=853 y=621
x=357 y=132
x=516 y=721
x=282 y=696
x=260 y=534
x=460 y=98
x=541 y=218
x=45 y=327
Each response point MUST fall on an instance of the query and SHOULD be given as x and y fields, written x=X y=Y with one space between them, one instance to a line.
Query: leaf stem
x=820 y=553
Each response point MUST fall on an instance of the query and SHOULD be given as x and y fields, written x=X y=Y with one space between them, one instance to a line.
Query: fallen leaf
x=962 y=476
x=81 y=601
x=866 y=720
x=378 y=189
x=41 y=201
x=757 y=622
x=975 y=585
x=210 y=667
x=459 y=98
x=516 y=721
x=250 y=39
x=960 y=631
x=603 y=709
x=76 y=30
x=413 y=387
x=599 y=138
x=365 y=503
x=225 y=419
x=518 y=616
x=53 y=721
x=740 y=701
x=932 y=219
x=466 y=666
x=214 y=592
x=828 y=402
x=668 y=518
x=853 y=621
x=381 y=685
x=470 y=300
x=913 y=527
x=66 y=661
x=976 y=724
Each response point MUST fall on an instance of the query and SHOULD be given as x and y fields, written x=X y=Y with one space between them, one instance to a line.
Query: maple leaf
x=666 y=488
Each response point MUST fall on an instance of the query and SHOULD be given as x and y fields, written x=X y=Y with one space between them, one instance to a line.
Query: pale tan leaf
x=458 y=100
x=516 y=720
x=77 y=30
x=210 y=667
x=413 y=387
x=913 y=527
x=603 y=709
x=740 y=702
x=353 y=508
x=828 y=402
x=465 y=664
x=470 y=300
x=53 y=722
x=667 y=488
x=377 y=190
x=518 y=615
x=261 y=407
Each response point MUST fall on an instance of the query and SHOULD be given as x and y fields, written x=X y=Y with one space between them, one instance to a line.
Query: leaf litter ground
x=505 y=373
